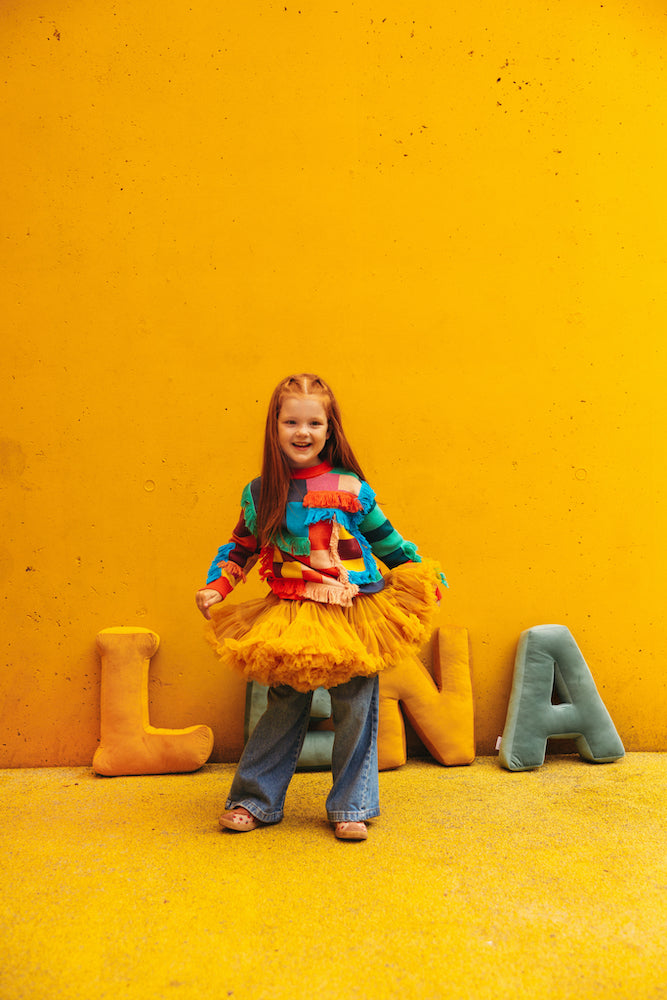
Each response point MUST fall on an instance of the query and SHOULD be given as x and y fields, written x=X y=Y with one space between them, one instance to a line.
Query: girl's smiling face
x=303 y=429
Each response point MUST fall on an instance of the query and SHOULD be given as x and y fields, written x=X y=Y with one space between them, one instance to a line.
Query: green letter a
x=548 y=657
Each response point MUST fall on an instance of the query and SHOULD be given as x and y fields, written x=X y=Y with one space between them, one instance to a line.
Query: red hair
x=276 y=472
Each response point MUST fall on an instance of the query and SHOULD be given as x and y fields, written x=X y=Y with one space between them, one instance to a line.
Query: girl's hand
x=205 y=598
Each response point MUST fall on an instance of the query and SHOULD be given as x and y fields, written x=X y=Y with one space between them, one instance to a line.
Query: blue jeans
x=271 y=754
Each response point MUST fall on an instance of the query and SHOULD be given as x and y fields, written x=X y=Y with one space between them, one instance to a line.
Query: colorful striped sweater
x=331 y=532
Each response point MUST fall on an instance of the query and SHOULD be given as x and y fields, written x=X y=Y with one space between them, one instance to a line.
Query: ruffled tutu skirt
x=308 y=645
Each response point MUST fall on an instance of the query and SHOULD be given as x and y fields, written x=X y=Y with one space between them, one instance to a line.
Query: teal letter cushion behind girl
x=548 y=658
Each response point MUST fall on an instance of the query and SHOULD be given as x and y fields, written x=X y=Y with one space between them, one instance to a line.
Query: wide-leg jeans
x=270 y=756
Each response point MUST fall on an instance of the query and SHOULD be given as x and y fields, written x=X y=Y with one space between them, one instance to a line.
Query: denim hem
x=349 y=816
x=269 y=818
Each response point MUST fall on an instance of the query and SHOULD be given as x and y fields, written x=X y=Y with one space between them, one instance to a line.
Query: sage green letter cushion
x=549 y=659
x=318 y=744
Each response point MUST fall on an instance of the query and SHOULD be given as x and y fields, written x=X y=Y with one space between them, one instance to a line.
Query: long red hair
x=275 y=467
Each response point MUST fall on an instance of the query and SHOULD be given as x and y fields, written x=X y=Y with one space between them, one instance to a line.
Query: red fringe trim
x=233 y=570
x=266 y=565
x=291 y=590
x=334 y=498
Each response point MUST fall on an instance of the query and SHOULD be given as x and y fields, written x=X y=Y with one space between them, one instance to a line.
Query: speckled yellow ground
x=474 y=883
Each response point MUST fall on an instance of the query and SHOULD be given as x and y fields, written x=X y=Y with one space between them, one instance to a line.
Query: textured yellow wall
x=456 y=216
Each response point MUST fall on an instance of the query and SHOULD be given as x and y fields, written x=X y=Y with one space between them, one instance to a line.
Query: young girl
x=330 y=620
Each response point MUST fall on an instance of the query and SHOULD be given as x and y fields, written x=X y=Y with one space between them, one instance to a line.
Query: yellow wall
x=456 y=216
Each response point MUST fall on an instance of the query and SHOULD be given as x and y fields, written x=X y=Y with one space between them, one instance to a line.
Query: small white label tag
x=498 y=742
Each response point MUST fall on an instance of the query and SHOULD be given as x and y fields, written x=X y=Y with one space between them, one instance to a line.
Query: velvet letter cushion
x=548 y=662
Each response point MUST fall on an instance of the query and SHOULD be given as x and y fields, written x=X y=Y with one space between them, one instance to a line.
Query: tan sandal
x=351 y=830
x=238 y=819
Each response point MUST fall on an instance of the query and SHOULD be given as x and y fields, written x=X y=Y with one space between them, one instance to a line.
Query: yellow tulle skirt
x=308 y=645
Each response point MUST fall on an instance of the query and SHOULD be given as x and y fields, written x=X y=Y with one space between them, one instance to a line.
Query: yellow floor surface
x=474 y=883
